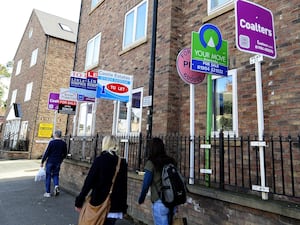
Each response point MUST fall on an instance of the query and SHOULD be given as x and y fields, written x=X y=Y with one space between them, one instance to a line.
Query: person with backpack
x=158 y=158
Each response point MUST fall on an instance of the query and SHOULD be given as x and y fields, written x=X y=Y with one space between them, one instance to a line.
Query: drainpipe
x=38 y=104
x=152 y=69
x=74 y=63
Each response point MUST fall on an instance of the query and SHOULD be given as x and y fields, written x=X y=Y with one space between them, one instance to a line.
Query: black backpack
x=173 y=190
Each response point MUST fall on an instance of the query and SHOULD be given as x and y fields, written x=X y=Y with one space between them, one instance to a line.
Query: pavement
x=22 y=201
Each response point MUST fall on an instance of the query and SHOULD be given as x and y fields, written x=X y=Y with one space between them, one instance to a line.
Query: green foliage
x=4 y=71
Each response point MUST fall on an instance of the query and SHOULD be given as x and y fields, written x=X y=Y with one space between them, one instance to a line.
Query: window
x=92 y=52
x=30 y=33
x=13 y=96
x=65 y=27
x=95 y=3
x=23 y=130
x=135 y=25
x=34 y=57
x=136 y=113
x=225 y=113
x=28 y=92
x=214 y=5
x=19 y=65
x=85 y=119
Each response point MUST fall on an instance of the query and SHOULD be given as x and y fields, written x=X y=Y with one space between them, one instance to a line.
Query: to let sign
x=114 y=86
x=254 y=29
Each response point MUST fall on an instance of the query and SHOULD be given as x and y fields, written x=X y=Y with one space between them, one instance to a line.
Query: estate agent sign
x=209 y=51
x=255 y=29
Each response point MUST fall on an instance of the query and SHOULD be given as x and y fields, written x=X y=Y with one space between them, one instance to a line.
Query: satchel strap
x=114 y=178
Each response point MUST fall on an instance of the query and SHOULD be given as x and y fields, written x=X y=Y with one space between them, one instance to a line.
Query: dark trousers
x=110 y=221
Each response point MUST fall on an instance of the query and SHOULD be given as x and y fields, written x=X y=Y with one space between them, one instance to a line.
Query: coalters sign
x=255 y=29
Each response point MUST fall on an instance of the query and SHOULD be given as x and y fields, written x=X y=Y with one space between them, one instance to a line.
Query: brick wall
x=205 y=205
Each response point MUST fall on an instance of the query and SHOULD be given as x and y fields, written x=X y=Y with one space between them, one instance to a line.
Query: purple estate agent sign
x=53 y=101
x=254 y=29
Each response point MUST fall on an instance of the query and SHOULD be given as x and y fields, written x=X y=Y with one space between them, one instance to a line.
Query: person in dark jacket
x=54 y=155
x=99 y=180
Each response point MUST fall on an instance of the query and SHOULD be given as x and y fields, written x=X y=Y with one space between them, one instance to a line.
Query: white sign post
x=255 y=33
x=260 y=120
x=118 y=87
x=192 y=78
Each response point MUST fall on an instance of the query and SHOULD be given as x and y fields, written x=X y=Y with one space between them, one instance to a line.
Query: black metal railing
x=224 y=162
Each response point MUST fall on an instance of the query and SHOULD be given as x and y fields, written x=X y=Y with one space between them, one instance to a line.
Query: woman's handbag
x=179 y=221
x=96 y=215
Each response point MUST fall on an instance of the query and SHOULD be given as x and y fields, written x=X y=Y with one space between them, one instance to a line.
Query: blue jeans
x=52 y=170
x=161 y=213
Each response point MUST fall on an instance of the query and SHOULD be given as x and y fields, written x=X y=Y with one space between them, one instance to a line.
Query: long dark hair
x=158 y=155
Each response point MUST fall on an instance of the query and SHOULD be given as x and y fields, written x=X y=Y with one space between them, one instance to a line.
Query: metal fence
x=229 y=163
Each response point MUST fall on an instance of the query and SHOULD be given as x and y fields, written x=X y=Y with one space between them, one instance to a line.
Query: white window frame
x=138 y=114
x=28 y=92
x=19 y=66
x=85 y=119
x=34 y=56
x=134 y=26
x=23 y=130
x=235 y=122
x=30 y=32
x=13 y=96
x=219 y=6
x=93 y=52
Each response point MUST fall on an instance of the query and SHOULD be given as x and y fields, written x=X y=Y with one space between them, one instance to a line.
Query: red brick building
x=42 y=64
x=117 y=36
x=122 y=43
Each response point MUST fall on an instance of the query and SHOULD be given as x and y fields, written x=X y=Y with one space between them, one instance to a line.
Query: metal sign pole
x=192 y=132
x=260 y=120
x=208 y=125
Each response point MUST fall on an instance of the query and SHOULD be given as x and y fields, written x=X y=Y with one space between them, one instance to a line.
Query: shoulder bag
x=96 y=215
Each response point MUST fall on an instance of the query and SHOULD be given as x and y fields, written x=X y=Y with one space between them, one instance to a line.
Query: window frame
x=30 y=33
x=28 y=92
x=235 y=122
x=65 y=27
x=133 y=41
x=93 y=63
x=140 y=113
x=34 y=56
x=83 y=111
x=218 y=7
x=19 y=67
x=95 y=3
x=13 y=96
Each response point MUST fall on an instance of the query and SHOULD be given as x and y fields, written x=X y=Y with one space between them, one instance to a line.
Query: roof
x=52 y=26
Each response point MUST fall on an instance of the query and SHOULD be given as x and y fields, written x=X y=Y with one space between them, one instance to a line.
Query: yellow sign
x=45 y=130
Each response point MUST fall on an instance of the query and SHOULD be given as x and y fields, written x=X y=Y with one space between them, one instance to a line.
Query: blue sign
x=84 y=84
x=114 y=86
